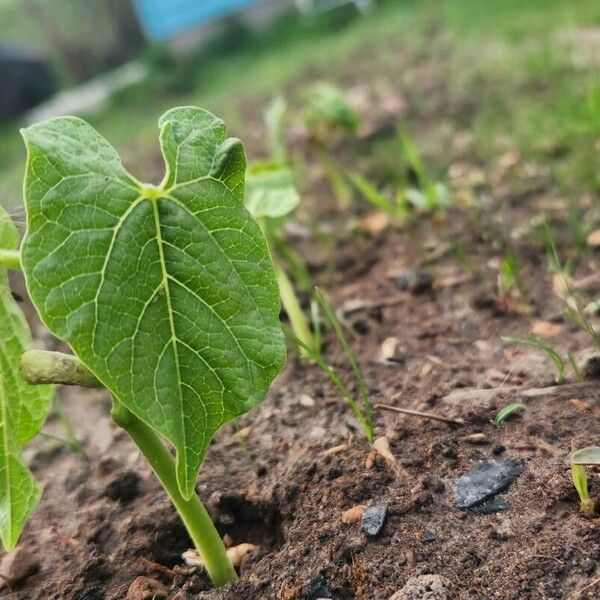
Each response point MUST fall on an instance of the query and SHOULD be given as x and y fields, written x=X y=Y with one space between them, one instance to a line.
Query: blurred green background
x=529 y=69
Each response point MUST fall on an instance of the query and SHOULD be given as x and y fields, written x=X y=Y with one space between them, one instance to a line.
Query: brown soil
x=104 y=520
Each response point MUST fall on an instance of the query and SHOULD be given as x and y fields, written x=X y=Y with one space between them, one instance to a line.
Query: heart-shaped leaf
x=23 y=407
x=166 y=293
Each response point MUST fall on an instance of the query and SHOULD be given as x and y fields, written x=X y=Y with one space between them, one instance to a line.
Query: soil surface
x=104 y=521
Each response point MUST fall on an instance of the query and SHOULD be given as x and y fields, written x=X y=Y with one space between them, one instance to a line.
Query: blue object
x=166 y=18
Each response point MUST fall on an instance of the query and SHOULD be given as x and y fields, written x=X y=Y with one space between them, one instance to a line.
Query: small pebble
x=493 y=505
x=353 y=515
x=421 y=587
x=428 y=537
x=146 y=588
x=373 y=519
x=498 y=449
x=306 y=401
x=415 y=281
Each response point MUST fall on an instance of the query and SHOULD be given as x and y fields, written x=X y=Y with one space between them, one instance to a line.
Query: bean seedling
x=166 y=294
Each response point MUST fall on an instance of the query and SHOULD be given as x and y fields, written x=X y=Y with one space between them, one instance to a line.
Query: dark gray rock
x=428 y=537
x=373 y=519
x=485 y=480
x=591 y=368
x=493 y=505
x=316 y=588
x=416 y=281
x=94 y=593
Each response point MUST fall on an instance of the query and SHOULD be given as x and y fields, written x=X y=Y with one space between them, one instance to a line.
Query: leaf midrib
x=167 y=290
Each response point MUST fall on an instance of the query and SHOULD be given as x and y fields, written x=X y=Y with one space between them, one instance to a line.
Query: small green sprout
x=589 y=507
x=557 y=360
x=274 y=118
x=328 y=110
x=397 y=209
x=430 y=196
x=571 y=306
x=507 y=412
x=328 y=113
x=362 y=408
x=270 y=197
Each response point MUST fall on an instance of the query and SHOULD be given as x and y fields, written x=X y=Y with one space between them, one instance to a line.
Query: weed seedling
x=588 y=506
x=361 y=407
x=329 y=114
x=508 y=411
x=428 y=196
x=328 y=111
x=166 y=294
x=558 y=361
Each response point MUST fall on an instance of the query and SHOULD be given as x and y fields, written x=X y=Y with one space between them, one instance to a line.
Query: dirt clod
x=146 y=588
x=124 y=487
x=423 y=587
x=353 y=515
x=17 y=566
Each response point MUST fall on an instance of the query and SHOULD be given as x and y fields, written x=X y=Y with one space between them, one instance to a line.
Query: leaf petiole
x=10 y=259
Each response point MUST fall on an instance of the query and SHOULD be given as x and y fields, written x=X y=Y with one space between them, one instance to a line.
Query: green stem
x=293 y=309
x=10 y=259
x=204 y=534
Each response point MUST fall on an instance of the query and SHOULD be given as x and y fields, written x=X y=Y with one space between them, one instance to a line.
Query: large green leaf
x=270 y=190
x=23 y=407
x=166 y=293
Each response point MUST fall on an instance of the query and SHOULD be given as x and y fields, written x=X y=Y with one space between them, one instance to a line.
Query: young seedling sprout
x=508 y=411
x=589 y=507
x=166 y=294
x=361 y=407
x=429 y=196
x=328 y=114
x=558 y=361
x=270 y=197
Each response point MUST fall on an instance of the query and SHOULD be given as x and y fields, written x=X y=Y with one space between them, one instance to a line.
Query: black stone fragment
x=493 y=505
x=316 y=588
x=485 y=480
x=373 y=519
x=428 y=537
x=94 y=593
x=416 y=281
